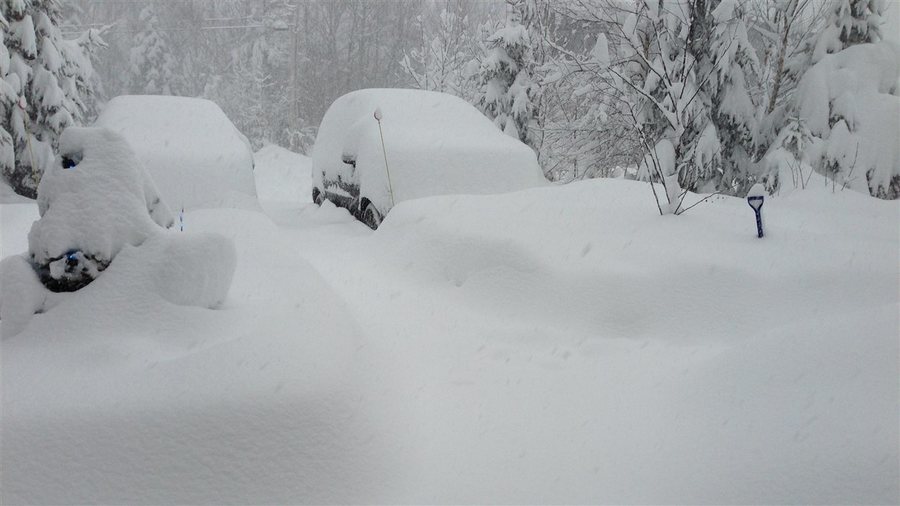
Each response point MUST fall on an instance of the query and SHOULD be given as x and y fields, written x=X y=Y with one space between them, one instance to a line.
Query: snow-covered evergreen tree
x=850 y=103
x=443 y=62
x=850 y=22
x=786 y=29
x=684 y=72
x=506 y=79
x=153 y=69
x=8 y=100
x=48 y=85
x=731 y=62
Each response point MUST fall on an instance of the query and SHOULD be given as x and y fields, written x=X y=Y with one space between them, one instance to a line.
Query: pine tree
x=8 y=99
x=850 y=22
x=506 y=80
x=153 y=67
x=47 y=86
x=685 y=74
x=731 y=61
x=442 y=62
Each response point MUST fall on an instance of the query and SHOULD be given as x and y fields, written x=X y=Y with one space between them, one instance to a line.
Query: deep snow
x=561 y=344
x=282 y=176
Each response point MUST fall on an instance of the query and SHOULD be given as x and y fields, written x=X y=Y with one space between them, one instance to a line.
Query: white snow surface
x=435 y=144
x=282 y=175
x=559 y=344
x=9 y=196
x=196 y=156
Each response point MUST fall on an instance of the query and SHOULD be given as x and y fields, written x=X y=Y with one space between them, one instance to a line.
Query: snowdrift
x=570 y=345
x=192 y=150
x=282 y=175
x=185 y=270
x=117 y=395
x=555 y=345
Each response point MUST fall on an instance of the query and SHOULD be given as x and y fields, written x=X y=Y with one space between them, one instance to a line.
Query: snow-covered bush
x=847 y=110
x=92 y=202
x=683 y=71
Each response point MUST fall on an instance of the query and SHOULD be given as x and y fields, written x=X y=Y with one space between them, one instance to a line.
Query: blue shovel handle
x=756 y=203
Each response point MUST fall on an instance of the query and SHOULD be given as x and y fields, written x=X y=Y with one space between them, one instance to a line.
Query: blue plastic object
x=756 y=202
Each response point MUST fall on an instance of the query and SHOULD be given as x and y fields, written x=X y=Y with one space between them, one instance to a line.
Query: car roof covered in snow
x=194 y=153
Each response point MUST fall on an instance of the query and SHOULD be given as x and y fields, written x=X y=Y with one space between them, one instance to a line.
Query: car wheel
x=371 y=216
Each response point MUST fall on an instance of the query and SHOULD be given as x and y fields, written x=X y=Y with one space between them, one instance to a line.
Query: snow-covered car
x=432 y=144
x=196 y=156
x=93 y=200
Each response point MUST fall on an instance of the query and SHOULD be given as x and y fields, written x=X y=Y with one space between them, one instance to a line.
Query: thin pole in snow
x=384 y=152
x=23 y=105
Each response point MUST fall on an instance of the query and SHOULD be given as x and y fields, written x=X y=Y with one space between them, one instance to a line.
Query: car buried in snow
x=194 y=153
x=378 y=147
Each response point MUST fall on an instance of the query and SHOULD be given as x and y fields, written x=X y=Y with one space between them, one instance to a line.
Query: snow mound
x=195 y=154
x=435 y=144
x=9 y=196
x=575 y=256
x=282 y=175
x=91 y=210
x=117 y=393
x=657 y=359
x=15 y=221
x=185 y=269
x=23 y=294
x=193 y=269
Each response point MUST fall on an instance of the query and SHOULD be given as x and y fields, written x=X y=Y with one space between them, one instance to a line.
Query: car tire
x=371 y=216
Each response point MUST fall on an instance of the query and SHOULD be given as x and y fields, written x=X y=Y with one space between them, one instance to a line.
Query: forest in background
x=699 y=95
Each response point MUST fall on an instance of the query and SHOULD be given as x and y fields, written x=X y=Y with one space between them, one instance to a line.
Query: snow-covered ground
x=282 y=176
x=561 y=344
